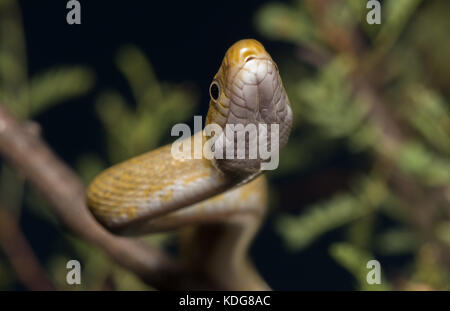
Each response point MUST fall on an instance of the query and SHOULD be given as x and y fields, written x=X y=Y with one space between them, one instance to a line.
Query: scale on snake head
x=249 y=103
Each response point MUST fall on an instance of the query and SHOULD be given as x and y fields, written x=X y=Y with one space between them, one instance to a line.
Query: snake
x=218 y=205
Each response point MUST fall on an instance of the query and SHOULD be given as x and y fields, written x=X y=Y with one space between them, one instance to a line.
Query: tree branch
x=21 y=255
x=65 y=192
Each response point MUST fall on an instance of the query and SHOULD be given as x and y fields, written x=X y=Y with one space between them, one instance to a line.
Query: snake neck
x=219 y=252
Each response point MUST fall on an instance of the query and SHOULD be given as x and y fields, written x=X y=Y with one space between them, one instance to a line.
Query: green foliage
x=280 y=22
x=27 y=97
x=432 y=44
x=382 y=93
x=49 y=89
x=415 y=159
x=6 y=275
x=397 y=14
x=298 y=232
x=57 y=86
x=378 y=91
x=355 y=260
x=428 y=271
x=327 y=100
x=430 y=116
x=396 y=242
x=131 y=131
x=13 y=63
x=89 y=165
x=443 y=232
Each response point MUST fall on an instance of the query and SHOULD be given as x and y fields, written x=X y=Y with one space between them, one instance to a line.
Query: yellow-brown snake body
x=219 y=203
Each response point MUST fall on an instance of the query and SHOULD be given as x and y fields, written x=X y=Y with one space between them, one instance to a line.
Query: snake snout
x=257 y=92
x=253 y=98
x=249 y=58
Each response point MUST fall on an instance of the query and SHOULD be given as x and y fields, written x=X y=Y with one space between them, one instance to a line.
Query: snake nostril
x=249 y=58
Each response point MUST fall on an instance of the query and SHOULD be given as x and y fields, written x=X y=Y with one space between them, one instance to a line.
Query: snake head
x=247 y=91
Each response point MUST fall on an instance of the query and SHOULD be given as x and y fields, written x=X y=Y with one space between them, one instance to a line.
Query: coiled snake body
x=218 y=203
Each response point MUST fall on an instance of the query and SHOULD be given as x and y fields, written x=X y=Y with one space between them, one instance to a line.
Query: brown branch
x=65 y=192
x=21 y=255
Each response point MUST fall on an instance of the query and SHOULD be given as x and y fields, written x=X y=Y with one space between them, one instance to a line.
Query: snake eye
x=214 y=90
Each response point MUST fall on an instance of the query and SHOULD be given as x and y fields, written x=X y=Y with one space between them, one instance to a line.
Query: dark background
x=185 y=41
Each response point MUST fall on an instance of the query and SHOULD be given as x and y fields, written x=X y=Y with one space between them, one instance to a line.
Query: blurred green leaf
x=395 y=15
x=56 y=86
x=299 y=231
x=428 y=36
x=328 y=102
x=139 y=73
x=432 y=169
x=6 y=277
x=127 y=281
x=355 y=260
x=39 y=207
x=13 y=62
x=431 y=117
x=360 y=12
x=282 y=22
x=89 y=165
x=443 y=232
x=396 y=242
x=159 y=106
x=428 y=271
